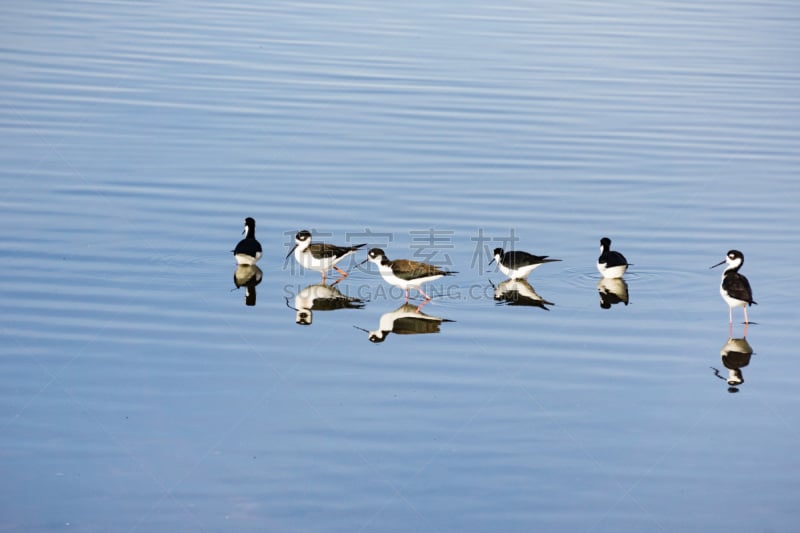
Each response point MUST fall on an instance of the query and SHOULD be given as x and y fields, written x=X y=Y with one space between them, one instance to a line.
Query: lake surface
x=139 y=392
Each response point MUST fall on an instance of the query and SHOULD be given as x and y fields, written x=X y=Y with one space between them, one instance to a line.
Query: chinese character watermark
x=427 y=245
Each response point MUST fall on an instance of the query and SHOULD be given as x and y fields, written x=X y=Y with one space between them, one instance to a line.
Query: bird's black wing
x=322 y=250
x=247 y=246
x=518 y=258
x=614 y=259
x=410 y=270
x=738 y=287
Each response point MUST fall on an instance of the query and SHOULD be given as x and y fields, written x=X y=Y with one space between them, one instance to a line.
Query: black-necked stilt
x=405 y=273
x=519 y=292
x=610 y=264
x=248 y=251
x=320 y=256
x=517 y=264
x=735 y=289
x=405 y=320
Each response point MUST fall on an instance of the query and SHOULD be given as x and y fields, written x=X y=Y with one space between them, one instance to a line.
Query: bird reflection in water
x=405 y=320
x=519 y=292
x=612 y=291
x=248 y=276
x=735 y=355
x=320 y=297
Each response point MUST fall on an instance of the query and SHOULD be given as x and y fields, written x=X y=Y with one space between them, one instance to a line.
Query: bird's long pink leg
x=746 y=321
x=406 y=295
x=427 y=299
x=730 y=314
x=340 y=271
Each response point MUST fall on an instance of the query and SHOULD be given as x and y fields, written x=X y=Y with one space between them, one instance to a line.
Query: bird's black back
x=518 y=258
x=249 y=246
x=737 y=286
x=322 y=250
x=612 y=259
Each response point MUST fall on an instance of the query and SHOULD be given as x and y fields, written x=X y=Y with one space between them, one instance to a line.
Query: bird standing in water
x=735 y=289
x=610 y=264
x=248 y=251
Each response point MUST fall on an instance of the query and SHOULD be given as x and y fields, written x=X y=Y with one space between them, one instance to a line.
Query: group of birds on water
x=517 y=265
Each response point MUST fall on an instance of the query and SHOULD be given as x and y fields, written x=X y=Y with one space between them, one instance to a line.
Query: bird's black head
x=302 y=236
x=605 y=242
x=376 y=253
x=497 y=255
x=249 y=227
x=734 y=259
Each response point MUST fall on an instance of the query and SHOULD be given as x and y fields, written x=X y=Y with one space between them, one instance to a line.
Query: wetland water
x=138 y=391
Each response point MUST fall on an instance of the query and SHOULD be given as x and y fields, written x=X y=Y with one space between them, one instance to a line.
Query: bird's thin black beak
x=361 y=263
x=361 y=329
x=490 y=262
x=718 y=264
x=290 y=251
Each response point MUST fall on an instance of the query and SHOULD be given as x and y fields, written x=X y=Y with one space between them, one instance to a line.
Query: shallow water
x=139 y=392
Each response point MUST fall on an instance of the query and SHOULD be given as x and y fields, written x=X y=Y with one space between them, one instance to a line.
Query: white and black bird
x=610 y=264
x=517 y=264
x=248 y=251
x=735 y=289
x=320 y=256
x=405 y=273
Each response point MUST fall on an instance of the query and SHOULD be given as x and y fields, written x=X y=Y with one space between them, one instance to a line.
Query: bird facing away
x=320 y=256
x=610 y=264
x=517 y=264
x=248 y=251
x=405 y=273
x=735 y=289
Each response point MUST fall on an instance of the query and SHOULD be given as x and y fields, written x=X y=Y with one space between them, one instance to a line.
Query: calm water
x=139 y=392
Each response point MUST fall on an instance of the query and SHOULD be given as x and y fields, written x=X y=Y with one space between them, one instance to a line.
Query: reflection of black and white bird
x=321 y=297
x=735 y=289
x=517 y=264
x=610 y=264
x=248 y=251
x=612 y=291
x=519 y=292
x=248 y=276
x=320 y=256
x=405 y=320
x=405 y=273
